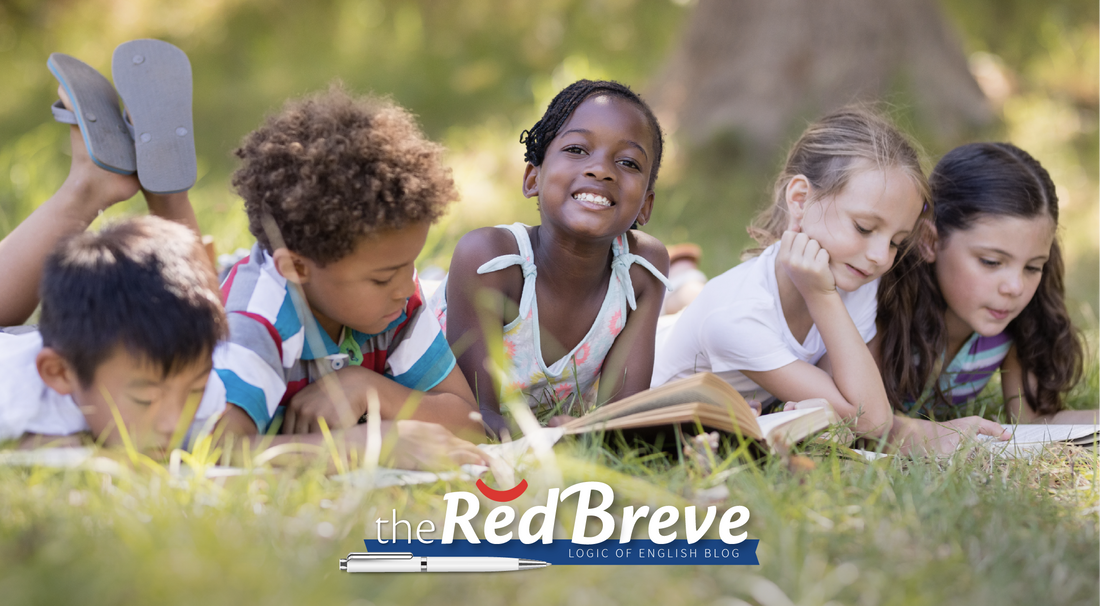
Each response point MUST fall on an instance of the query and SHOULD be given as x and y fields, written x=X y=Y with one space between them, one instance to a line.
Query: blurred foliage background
x=477 y=72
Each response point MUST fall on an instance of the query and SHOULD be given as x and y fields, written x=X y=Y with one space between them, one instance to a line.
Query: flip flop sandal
x=96 y=112
x=154 y=79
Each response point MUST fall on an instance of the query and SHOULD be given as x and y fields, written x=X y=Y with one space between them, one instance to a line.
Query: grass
x=832 y=529
x=962 y=530
x=893 y=532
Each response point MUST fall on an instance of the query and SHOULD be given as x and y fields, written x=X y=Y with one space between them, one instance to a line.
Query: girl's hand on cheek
x=807 y=264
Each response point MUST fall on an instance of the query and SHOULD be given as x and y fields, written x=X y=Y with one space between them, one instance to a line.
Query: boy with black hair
x=130 y=317
x=340 y=193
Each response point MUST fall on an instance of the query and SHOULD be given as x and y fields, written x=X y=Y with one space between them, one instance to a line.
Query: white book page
x=769 y=422
x=1041 y=434
x=1030 y=440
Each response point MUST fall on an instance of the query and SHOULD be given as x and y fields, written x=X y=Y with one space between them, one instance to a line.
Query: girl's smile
x=863 y=275
x=594 y=180
x=594 y=199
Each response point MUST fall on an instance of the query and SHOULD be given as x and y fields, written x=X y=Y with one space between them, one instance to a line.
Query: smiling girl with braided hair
x=592 y=312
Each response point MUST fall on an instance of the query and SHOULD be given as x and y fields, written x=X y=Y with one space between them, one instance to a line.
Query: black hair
x=968 y=184
x=142 y=283
x=566 y=102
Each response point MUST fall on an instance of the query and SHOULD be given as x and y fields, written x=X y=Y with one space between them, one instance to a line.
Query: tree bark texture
x=760 y=69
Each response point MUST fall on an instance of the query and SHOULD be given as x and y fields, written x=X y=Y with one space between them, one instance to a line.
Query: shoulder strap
x=525 y=259
x=620 y=266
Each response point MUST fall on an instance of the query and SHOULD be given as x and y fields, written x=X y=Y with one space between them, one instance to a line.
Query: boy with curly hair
x=340 y=192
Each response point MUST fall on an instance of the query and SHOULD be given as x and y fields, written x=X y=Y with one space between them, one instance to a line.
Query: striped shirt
x=268 y=357
x=966 y=376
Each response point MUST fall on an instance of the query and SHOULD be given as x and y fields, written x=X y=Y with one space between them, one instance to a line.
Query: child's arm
x=849 y=379
x=918 y=436
x=405 y=444
x=1019 y=411
x=628 y=367
x=86 y=192
x=449 y=403
x=477 y=305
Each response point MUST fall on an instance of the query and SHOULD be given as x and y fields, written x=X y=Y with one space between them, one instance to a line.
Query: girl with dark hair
x=592 y=161
x=986 y=293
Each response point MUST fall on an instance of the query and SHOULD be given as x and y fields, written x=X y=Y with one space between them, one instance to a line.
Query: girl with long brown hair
x=985 y=294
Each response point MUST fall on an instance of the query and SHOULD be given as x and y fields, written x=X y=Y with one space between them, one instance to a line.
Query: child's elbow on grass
x=874 y=422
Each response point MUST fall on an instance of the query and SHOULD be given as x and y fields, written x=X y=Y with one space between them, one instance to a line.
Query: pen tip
x=343 y=565
x=528 y=564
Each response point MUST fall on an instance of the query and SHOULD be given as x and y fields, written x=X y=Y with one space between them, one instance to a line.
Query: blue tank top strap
x=524 y=259
x=620 y=266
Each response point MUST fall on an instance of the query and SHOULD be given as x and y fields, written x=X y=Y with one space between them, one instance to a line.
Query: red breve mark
x=502 y=496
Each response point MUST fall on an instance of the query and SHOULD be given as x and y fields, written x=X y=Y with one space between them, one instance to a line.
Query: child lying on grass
x=985 y=293
x=340 y=192
x=584 y=335
x=130 y=316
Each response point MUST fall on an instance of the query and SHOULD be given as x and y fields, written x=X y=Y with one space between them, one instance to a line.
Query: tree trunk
x=758 y=69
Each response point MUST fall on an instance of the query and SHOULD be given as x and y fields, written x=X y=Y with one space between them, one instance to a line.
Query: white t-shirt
x=736 y=323
x=28 y=405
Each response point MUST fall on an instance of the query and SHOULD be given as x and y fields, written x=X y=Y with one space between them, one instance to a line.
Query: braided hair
x=566 y=102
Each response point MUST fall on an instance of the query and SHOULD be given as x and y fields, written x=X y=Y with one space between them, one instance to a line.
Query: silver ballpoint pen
x=407 y=562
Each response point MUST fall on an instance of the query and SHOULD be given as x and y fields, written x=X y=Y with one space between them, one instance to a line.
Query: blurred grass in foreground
x=964 y=530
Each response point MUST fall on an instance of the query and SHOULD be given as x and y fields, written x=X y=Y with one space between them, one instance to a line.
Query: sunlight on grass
x=964 y=529
x=955 y=531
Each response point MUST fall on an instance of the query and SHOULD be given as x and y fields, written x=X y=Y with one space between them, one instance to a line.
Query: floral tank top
x=573 y=378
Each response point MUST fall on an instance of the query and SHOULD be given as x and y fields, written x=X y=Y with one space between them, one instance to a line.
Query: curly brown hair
x=331 y=169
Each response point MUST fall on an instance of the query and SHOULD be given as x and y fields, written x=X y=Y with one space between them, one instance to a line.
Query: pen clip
x=380 y=556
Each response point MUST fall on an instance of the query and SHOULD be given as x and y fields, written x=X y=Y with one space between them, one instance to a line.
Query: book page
x=710 y=416
x=782 y=429
x=1030 y=440
x=1027 y=434
x=769 y=422
x=702 y=387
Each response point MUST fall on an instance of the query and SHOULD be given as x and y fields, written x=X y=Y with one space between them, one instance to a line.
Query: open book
x=1030 y=439
x=703 y=399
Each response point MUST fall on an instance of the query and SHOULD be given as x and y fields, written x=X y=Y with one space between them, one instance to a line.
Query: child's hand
x=326 y=399
x=98 y=188
x=430 y=446
x=756 y=407
x=496 y=426
x=806 y=263
x=810 y=403
x=944 y=438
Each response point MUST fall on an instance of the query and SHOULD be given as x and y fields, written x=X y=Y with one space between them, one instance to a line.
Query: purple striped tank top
x=965 y=377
